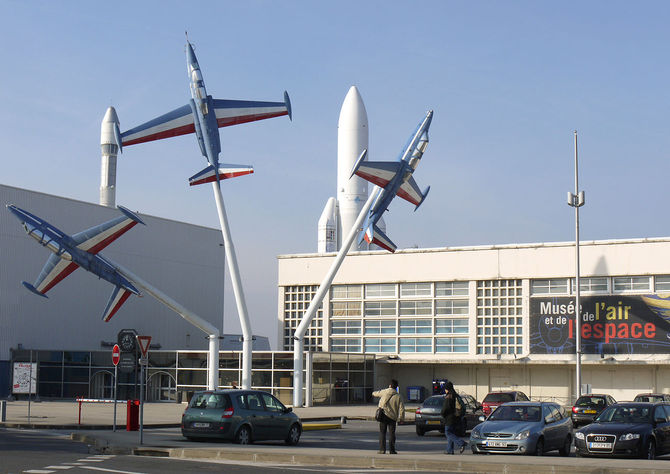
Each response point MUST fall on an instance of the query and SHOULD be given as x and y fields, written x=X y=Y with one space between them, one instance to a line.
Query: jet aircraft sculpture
x=80 y=250
x=203 y=115
x=395 y=177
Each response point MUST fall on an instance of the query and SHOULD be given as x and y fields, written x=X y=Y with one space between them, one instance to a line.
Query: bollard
x=343 y=420
x=3 y=410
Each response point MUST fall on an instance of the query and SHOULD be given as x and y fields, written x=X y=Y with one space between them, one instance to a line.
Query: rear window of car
x=499 y=398
x=210 y=401
x=433 y=402
x=648 y=398
x=585 y=401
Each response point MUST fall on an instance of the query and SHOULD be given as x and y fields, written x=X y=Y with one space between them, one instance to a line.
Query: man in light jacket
x=394 y=411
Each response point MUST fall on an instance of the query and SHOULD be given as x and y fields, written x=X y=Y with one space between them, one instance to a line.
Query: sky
x=509 y=82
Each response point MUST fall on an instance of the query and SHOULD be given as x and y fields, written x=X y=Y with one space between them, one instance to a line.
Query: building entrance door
x=162 y=388
x=102 y=385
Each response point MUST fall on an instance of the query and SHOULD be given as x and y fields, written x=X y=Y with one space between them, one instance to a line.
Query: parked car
x=494 y=399
x=627 y=429
x=242 y=416
x=652 y=397
x=427 y=417
x=587 y=407
x=524 y=428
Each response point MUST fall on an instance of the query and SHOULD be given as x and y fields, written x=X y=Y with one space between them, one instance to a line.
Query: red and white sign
x=144 y=342
x=116 y=354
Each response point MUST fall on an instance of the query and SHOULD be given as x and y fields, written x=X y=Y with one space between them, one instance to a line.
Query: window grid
x=590 y=285
x=662 y=283
x=380 y=308
x=452 y=288
x=346 y=292
x=380 y=290
x=376 y=344
x=416 y=290
x=416 y=344
x=345 y=327
x=296 y=302
x=449 y=307
x=416 y=308
x=553 y=286
x=451 y=326
x=451 y=344
x=499 y=307
x=345 y=344
x=346 y=309
x=631 y=283
x=416 y=326
x=379 y=326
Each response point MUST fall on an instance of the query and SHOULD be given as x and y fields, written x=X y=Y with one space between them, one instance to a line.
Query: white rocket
x=340 y=213
x=109 y=146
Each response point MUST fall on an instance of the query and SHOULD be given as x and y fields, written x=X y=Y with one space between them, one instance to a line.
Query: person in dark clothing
x=451 y=421
x=394 y=411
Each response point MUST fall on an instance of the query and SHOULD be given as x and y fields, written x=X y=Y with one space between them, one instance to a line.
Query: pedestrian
x=450 y=413
x=394 y=411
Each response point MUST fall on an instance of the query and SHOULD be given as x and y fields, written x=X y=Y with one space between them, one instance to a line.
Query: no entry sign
x=116 y=354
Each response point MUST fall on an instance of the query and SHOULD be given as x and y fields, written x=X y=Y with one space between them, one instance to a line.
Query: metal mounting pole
x=299 y=335
x=234 y=270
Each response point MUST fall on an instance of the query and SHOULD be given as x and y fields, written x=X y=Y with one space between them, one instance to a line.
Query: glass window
x=379 y=327
x=380 y=344
x=631 y=283
x=495 y=310
x=593 y=285
x=451 y=288
x=415 y=344
x=272 y=404
x=380 y=290
x=416 y=308
x=415 y=326
x=345 y=344
x=380 y=308
x=339 y=292
x=662 y=283
x=451 y=344
x=346 y=327
x=549 y=287
x=410 y=290
x=449 y=307
x=346 y=308
x=451 y=326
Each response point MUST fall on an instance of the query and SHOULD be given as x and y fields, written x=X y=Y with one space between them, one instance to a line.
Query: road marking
x=90 y=460
x=59 y=467
x=95 y=468
x=39 y=471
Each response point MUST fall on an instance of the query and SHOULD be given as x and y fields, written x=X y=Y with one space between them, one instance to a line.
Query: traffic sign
x=116 y=354
x=144 y=342
x=128 y=362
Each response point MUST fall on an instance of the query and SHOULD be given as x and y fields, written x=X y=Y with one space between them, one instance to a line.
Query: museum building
x=493 y=317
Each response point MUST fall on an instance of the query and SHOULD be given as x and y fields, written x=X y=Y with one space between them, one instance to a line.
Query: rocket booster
x=109 y=140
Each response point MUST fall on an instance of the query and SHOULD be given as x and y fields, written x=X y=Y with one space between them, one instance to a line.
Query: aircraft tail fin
x=374 y=235
x=225 y=171
x=118 y=297
x=423 y=197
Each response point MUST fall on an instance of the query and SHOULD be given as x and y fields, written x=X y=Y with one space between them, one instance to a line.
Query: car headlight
x=579 y=435
x=523 y=435
x=629 y=436
x=475 y=434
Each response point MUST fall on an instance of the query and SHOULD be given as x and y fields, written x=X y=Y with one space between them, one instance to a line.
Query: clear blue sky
x=509 y=82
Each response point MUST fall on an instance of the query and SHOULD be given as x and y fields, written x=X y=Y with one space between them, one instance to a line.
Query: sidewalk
x=96 y=423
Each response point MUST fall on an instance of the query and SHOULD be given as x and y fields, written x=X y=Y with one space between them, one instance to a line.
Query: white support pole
x=308 y=383
x=299 y=335
x=234 y=270
x=197 y=321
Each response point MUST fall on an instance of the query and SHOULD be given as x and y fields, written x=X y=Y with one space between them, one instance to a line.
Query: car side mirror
x=482 y=418
x=288 y=409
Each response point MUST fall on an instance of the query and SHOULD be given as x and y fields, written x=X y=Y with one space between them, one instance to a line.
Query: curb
x=321 y=426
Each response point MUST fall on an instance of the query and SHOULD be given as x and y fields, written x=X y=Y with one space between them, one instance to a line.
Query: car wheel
x=565 y=450
x=243 y=435
x=649 y=450
x=420 y=431
x=293 y=435
x=539 y=447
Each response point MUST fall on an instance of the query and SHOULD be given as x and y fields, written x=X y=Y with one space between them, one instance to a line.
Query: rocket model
x=109 y=137
x=340 y=213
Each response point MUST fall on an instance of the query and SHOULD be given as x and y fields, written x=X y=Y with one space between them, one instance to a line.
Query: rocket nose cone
x=110 y=115
x=353 y=113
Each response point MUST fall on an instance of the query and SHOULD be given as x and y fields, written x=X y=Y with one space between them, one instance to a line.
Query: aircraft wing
x=234 y=112
x=378 y=172
x=410 y=192
x=96 y=238
x=117 y=298
x=175 y=123
x=53 y=272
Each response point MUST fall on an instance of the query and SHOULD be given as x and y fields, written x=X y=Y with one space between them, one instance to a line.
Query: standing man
x=394 y=411
x=451 y=419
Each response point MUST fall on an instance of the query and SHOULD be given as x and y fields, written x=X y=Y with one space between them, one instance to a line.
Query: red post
x=79 y=400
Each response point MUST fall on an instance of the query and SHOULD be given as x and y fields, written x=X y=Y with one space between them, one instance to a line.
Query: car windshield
x=625 y=414
x=433 y=402
x=210 y=401
x=499 y=398
x=648 y=398
x=516 y=413
x=586 y=401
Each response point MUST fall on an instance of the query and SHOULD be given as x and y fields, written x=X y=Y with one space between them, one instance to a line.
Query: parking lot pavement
x=354 y=446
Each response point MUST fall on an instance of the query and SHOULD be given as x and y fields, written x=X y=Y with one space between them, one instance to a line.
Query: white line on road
x=61 y=468
x=39 y=471
x=95 y=468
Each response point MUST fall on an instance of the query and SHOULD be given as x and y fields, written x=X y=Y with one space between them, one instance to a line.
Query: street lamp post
x=576 y=200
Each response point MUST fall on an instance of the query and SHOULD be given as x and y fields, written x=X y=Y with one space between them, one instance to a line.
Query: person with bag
x=390 y=410
x=452 y=412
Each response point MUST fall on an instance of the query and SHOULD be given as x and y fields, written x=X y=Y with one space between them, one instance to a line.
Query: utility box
x=133 y=415
x=416 y=394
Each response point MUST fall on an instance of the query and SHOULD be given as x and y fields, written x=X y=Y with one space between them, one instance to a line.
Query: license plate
x=432 y=422
x=200 y=425
x=496 y=444
x=600 y=445
x=590 y=412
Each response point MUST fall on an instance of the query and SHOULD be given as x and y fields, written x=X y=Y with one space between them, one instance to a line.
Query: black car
x=627 y=429
x=587 y=407
x=428 y=418
x=652 y=397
